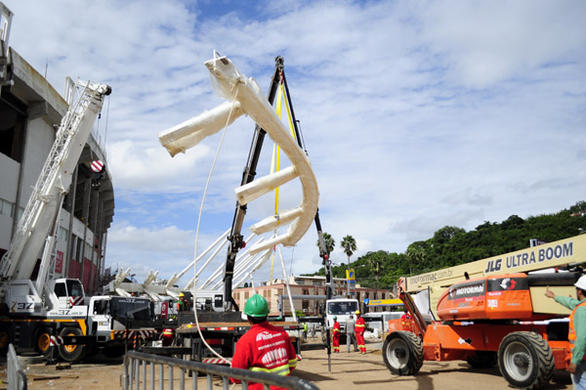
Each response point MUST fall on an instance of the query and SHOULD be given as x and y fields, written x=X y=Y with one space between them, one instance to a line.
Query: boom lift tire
x=525 y=360
x=482 y=359
x=42 y=340
x=403 y=353
x=71 y=353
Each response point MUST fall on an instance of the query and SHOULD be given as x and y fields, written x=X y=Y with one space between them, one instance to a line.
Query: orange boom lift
x=487 y=320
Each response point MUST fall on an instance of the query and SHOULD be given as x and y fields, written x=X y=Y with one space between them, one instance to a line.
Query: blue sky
x=416 y=115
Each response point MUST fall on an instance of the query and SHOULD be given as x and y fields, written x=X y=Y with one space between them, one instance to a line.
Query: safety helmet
x=256 y=306
x=581 y=283
x=181 y=295
x=335 y=318
x=357 y=312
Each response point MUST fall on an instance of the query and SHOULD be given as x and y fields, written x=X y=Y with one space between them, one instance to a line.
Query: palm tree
x=349 y=245
x=329 y=241
x=375 y=263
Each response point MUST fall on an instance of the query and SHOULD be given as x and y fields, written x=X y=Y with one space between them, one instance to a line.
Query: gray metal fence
x=142 y=371
x=15 y=376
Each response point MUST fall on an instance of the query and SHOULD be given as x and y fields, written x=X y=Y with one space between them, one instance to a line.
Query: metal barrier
x=15 y=376
x=135 y=374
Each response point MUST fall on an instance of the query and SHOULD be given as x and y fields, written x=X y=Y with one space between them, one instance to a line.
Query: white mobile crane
x=37 y=226
x=34 y=311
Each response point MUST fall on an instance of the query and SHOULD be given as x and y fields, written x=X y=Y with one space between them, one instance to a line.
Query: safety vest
x=572 y=332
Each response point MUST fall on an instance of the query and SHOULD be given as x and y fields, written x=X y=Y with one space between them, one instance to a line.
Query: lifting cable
x=203 y=198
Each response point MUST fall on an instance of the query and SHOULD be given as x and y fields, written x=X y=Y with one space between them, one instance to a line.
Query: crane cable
x=194 y=288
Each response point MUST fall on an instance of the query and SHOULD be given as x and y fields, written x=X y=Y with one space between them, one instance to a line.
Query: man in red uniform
x=407 y=321
x=264 y=348
x=359 y=330
x=336 y=335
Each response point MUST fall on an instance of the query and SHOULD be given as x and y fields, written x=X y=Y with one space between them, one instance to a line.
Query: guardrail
x=15 y=376
x=135 y=374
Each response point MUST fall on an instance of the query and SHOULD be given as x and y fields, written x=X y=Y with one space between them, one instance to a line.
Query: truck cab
x=109 y=313
x=342 y=308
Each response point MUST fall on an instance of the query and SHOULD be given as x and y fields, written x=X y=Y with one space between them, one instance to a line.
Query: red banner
x=59 y=262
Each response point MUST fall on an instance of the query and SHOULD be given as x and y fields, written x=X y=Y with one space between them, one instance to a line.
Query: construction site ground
x=348 y=371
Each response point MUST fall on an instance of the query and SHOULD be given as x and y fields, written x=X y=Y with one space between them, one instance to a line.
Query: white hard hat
x=581 y=283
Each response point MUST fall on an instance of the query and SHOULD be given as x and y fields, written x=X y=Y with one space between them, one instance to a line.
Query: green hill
x=452 y=245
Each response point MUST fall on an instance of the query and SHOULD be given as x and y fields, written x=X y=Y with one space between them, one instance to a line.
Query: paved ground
x=348 y=371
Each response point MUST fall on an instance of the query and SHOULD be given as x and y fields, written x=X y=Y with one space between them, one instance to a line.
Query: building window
x=305 y=291
x=6 y=208
x=12 y=130
x=246 y=295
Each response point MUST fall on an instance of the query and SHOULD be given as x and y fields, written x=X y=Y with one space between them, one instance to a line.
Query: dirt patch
x=348 y=370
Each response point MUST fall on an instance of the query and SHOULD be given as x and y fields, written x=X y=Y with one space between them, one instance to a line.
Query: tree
x=579 y=207
x=349 y=245
x=446 y=233
x=416 y=253
x=329 y=241
x=375 y=262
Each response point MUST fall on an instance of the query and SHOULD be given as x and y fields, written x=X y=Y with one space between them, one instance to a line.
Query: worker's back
x=265 y=348
x=350 y=325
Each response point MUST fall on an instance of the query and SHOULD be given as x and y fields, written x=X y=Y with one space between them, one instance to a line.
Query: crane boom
x=53 y=183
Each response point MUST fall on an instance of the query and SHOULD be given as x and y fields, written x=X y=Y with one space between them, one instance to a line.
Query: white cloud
x=484 y=43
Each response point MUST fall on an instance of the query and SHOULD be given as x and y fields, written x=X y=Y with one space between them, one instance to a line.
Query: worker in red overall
x=264 y=348
x=167 y=337
x=359 y=329
x=336 y=335
x=407 y=322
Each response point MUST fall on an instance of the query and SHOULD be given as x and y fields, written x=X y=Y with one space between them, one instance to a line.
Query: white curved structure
x=244 y=97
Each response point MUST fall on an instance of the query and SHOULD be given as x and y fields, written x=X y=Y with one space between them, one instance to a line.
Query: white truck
x=35 y=314
x=342 y=309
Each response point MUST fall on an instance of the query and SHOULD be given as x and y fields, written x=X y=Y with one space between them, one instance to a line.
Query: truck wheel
x=525 y=360
x=482 y=359
x=403 y=353
x=43 y=340
x=71 y=353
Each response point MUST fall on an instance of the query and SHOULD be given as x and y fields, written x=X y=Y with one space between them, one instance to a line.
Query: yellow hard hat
x=357 y=312
x=181 y=294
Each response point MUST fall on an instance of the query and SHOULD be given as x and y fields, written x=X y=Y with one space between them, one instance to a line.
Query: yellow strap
x=291 y=128
x=276 y=163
